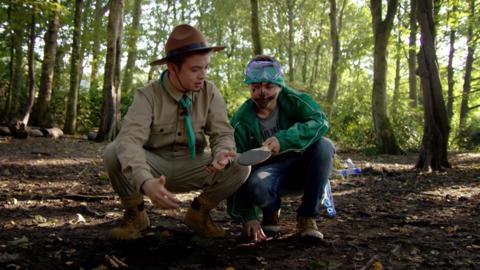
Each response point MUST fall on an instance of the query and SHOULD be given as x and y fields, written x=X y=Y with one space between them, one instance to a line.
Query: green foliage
x=227 y=22
x=351 y=122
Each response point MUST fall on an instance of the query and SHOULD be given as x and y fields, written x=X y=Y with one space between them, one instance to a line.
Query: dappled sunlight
x=50 y=162
x=455 y=192
x=347 y=192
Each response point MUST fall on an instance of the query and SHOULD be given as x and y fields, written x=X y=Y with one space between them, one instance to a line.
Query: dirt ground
x=56 y=206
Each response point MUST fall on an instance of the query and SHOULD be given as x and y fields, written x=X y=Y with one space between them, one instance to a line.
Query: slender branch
x=473 y=107
x=463 y=94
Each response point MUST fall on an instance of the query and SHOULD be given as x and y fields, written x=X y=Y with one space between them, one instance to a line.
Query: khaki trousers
x=181 y=172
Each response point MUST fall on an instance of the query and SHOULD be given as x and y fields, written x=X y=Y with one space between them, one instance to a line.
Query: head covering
x=184 y=38
x=258 y=71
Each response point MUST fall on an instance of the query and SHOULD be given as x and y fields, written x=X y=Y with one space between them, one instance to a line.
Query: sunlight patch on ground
x=468 y=156
x=51 y=161
x=456 y=191
x=348 y=192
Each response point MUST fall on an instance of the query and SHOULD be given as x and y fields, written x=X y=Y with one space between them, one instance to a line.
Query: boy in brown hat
x=161 y=146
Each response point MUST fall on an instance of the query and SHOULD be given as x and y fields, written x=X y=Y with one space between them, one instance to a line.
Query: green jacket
x=302 y=122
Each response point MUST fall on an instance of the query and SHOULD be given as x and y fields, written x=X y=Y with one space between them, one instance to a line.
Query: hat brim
x=164 y=60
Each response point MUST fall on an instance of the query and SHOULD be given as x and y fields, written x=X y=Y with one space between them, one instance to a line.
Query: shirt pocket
x=162 y=135
x=200 y=139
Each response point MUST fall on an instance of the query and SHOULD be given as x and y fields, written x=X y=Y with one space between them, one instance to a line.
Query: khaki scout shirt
x=155 y=122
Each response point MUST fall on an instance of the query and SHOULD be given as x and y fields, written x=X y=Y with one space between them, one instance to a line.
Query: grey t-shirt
x=270 y=125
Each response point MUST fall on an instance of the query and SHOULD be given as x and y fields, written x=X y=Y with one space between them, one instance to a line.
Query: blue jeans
x=303 y=173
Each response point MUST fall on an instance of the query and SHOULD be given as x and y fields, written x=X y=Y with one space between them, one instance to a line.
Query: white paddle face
x=254 y=156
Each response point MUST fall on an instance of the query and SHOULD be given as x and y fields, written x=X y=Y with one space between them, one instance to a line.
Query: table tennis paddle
x=254 y=156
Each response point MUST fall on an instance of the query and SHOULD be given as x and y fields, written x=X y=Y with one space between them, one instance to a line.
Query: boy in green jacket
x=292 y=125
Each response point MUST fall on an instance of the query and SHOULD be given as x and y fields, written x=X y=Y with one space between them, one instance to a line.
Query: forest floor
x=56 y=206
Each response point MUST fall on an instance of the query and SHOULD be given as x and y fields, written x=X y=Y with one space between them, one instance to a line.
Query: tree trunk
x=433 y=151
x=256 y=38
x=97 y=24
x=109 y=120
x=18 y=76
x=71 y=116
x=31 y=72
x=132 y=47
x=9 y=94
x=41 y=111
x=385 y=137
x=396 y=87
x=467 y=79
x=290 y=7
x=334 y=37
x=313 y=78
x=450 y=72
x=412 y=60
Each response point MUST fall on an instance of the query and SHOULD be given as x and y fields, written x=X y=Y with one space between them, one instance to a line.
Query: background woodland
x=393 y=76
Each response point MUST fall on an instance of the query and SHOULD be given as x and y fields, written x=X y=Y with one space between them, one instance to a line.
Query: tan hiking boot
x=307 y=227
x=135 y=219
x=198 y=218
x=270 y=222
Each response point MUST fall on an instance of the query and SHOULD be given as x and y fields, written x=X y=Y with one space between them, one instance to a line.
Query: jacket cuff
x=250 y=216
x=140 y=177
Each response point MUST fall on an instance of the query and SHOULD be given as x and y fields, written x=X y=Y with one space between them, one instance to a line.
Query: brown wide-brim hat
x=184 y=38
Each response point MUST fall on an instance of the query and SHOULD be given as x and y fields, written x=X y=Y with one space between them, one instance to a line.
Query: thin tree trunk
x=313 y=78
x=290 y=7
x=41 y=111
x=450 y=73
x=18 y=75
x=396 y=87
x=467 y=79
x=132 y=47
x=117 y=75
x=256 y=37
x=96 y=48
x=31 y=72
x=334 y=37
x=109 y=120
x=385 y=137
x=71 y=116
x=433 y=151
x=10 y=90
x=412 y=60
x=305 y=65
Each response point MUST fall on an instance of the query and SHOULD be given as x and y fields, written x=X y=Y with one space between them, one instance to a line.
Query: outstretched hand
x=222 y=159
x=157 y=192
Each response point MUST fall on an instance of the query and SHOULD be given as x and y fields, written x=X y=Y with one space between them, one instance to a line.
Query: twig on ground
x=115 y=262
x=370 y=262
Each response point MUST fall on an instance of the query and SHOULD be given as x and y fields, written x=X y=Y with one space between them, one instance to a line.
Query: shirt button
x=161 y=130
x=179 y=133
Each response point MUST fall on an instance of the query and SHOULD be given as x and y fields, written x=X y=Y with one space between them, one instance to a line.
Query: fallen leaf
x=377 y=265
x=80 y=218
x=38 y=219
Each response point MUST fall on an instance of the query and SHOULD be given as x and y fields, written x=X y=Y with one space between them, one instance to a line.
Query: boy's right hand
x=160 y=196
x=254 y=230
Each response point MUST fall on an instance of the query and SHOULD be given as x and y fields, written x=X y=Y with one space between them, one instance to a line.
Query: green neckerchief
x=185 y=102
x=185 y=105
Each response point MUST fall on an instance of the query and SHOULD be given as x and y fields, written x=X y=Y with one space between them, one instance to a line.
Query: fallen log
x=52 y=132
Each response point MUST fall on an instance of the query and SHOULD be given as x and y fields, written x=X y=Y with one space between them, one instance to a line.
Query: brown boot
x=135 y=219
x=198 y=218
x=307 y=227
